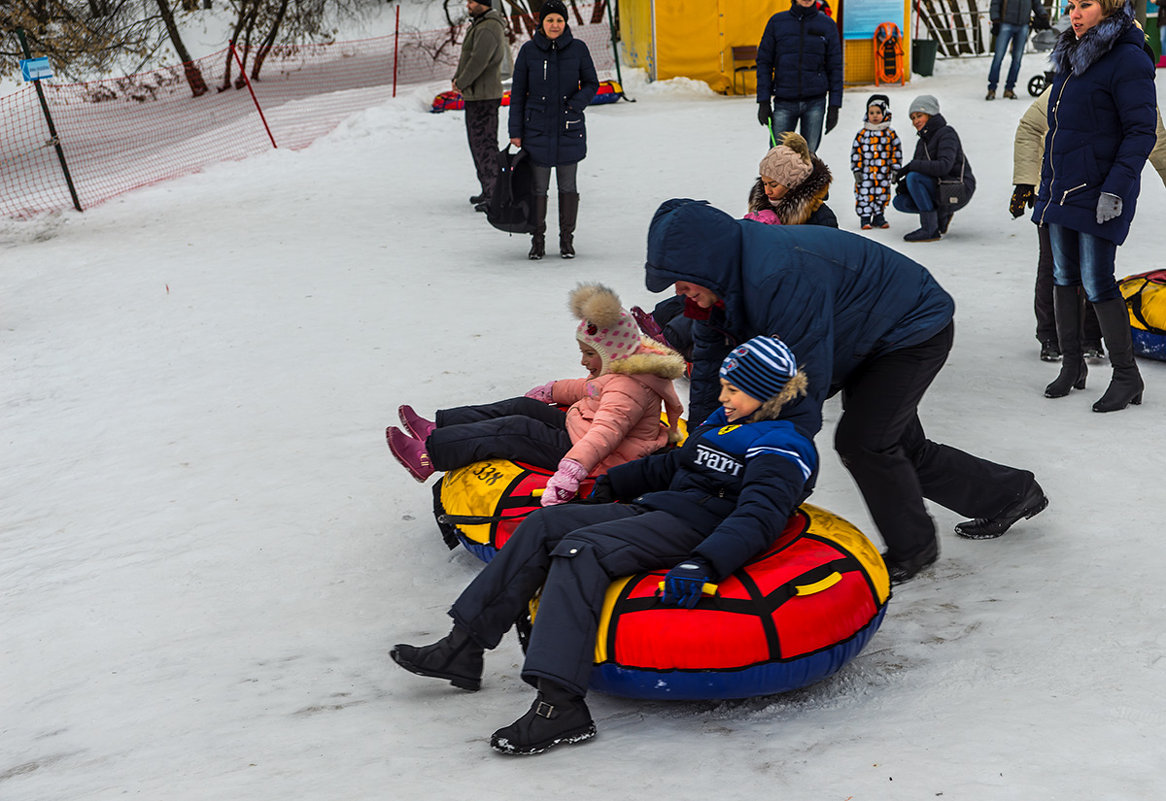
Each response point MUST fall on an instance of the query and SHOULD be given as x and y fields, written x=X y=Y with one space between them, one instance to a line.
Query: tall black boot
x=538 y=239
x=1067 y=311
x=1126 y=385
x=455 y=657
x=557 y=716
x=568 y=212
x=928 y=229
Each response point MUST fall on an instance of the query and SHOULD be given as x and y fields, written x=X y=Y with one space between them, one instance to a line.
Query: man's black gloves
x=831 y=118
x=764 y=112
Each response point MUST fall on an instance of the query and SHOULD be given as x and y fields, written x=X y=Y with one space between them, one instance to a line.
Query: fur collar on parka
x=1078 y=55
x=651 y=358
x=799 y=203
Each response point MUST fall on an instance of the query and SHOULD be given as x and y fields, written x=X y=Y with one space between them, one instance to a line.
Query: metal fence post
x=56 y=141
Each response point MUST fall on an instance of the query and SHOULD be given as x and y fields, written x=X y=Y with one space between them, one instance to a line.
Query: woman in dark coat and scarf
x=1101 y=129
x=554 y=80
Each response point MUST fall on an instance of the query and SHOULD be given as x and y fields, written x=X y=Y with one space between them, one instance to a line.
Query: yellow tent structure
x=695 y=39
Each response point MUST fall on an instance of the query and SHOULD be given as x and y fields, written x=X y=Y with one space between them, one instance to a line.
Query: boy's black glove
x=764 y=112
x=831 y=118
x=601 y=492
x=995 y=28
x=1022 y=195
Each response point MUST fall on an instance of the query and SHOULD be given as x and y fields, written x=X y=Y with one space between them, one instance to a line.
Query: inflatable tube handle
x=706 y=589
x=818 y=586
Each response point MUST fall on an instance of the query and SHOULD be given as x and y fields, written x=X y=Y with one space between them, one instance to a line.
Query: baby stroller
x=1042 y=42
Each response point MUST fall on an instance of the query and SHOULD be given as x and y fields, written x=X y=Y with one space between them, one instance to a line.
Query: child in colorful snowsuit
x=700 y=511
x=613 y=415
x=876 y=154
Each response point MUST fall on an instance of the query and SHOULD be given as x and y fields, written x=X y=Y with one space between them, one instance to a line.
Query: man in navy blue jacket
x=799 y=64
x=863 y=320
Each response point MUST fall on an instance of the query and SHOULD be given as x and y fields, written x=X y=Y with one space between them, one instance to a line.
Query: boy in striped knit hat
x=703 y=509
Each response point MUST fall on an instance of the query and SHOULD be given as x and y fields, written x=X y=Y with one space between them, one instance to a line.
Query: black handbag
x=953 y=192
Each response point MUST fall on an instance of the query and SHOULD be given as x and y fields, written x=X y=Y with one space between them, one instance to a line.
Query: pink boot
x=415 y=424
x=410 y=453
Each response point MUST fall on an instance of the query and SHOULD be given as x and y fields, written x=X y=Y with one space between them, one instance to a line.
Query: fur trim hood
x=651 y=358
x=799 y=203
x=1077 y=55
x=794 y=388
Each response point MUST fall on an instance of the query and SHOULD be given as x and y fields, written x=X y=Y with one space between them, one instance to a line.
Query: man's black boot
x=557 y=717
x=455 y=657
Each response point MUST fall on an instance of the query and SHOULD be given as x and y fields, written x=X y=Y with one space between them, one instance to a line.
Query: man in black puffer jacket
x=799 y=65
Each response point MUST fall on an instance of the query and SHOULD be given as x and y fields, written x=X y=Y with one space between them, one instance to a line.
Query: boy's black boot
x=1126 y=385
x=568 y=213
x=455 y=657
x=928 y=230
x=557 y=716
x=538 y=241
x=1067 y=310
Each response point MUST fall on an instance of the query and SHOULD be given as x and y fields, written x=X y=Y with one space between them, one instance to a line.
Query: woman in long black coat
x=554 y=80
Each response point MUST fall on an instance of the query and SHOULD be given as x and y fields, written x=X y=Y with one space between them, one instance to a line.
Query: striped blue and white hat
x=760 y=368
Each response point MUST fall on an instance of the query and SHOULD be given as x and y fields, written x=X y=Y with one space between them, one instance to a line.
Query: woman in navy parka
x=864 y=320
x=1101 y=129
x=554 y=80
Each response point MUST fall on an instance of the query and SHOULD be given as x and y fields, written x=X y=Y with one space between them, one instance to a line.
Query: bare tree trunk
x=269 y=41
x=193 y=74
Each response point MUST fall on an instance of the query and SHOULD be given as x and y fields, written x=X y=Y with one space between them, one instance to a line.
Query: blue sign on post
x=35 y=69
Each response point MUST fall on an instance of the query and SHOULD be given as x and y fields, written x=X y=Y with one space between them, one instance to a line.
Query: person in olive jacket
x=554 y=80
x=479 y=79
x=939 y=156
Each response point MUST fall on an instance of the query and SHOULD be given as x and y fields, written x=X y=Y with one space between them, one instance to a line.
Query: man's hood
x=689 y=240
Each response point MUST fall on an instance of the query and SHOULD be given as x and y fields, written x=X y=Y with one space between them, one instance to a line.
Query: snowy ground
x=207 y=549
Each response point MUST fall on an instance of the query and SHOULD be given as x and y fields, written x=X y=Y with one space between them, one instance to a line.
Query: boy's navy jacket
x=739 y=482
x=835 y=298
x=554 y=80
x=1102 y=124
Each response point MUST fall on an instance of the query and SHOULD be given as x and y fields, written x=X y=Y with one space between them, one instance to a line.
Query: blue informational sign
x=35 y=69
x=861 y=17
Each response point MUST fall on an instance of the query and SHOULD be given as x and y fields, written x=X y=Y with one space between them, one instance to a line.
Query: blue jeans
x=811 y=113
x=1081 y=259
x=921 y=193
x=1016 y=35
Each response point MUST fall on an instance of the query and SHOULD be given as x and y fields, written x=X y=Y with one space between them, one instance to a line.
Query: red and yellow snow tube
x=793 y=616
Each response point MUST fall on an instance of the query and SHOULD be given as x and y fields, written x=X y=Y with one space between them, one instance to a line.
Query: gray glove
x=1108 y=207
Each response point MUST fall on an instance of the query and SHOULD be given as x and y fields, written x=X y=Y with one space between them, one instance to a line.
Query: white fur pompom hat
x=604 y=325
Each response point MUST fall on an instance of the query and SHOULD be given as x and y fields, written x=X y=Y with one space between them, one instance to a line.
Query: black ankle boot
x=557 y=716
x=1031 y=503
x=901 y=570
x=1126 y=385
x=1067 y=310
x=455 y=657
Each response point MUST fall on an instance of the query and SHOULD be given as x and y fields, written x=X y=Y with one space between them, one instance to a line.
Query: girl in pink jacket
x=612 y=415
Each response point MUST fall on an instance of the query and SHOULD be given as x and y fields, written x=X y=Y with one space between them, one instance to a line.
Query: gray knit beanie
x=926 y=104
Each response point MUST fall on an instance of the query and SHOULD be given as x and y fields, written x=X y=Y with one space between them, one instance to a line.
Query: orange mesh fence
x=120 y=134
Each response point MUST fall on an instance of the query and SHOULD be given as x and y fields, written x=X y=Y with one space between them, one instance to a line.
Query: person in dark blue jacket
x=703 y=510
x=799 y=68
x=554 y=80
x=862 y=319
x=938 y=156
x=1102 y=118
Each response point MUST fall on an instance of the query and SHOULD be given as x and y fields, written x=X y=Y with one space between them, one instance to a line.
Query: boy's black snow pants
x=521 y=429
x=573 y=552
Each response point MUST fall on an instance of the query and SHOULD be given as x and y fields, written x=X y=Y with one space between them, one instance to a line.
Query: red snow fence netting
x=119 y=134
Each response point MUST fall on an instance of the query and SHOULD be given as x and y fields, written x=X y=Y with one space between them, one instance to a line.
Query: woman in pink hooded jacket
x=612 y=416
